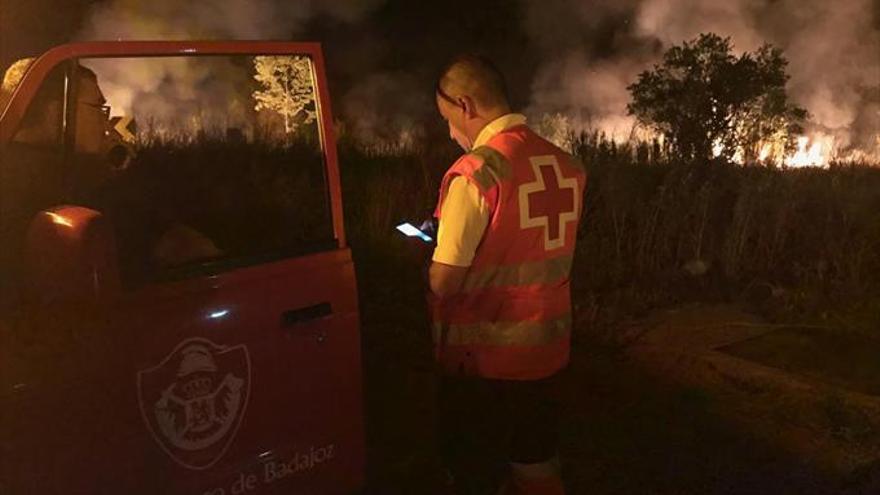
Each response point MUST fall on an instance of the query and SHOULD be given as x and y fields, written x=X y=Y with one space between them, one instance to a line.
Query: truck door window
x=208 y=163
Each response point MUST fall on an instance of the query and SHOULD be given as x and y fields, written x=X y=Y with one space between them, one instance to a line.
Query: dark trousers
x=486 y=424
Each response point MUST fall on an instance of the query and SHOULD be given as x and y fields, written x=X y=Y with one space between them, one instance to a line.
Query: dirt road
x=624 y=432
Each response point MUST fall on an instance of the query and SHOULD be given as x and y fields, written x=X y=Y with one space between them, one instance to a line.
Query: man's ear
x=468 y=106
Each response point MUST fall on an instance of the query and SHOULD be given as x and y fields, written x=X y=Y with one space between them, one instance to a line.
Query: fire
x=811 y=152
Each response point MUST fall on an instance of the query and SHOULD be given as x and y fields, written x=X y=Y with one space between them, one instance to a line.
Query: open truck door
x=179 y=308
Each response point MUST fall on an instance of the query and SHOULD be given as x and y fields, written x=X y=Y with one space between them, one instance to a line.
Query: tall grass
x=385 y=186
x=795 y=244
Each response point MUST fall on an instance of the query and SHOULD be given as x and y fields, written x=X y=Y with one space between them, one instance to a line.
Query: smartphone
x=411 y=230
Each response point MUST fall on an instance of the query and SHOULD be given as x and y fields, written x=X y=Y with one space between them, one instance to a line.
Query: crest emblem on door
x=194 y=400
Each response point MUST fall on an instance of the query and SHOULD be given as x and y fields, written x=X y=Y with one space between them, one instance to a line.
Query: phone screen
x=411 y=230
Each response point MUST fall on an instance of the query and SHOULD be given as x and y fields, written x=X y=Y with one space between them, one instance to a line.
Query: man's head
x=470 y=93
x=95 y=159
x=92 y=114
x=41 y=124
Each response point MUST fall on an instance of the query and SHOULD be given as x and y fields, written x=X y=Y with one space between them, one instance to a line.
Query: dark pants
x=486 y=424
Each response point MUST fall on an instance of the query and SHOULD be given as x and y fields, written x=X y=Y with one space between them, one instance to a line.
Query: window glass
x=202 y=163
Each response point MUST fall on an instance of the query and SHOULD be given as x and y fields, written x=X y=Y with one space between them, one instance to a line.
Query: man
x=508 y=215
x=35 y=174
x=39 y=175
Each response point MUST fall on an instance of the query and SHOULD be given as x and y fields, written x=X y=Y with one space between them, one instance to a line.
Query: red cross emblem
x=545 y=203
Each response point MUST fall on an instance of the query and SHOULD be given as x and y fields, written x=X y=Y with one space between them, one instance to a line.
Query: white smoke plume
x=396 y=121
x=211 y=92
x=576 y=78
x=589 y=52
x=833 y=49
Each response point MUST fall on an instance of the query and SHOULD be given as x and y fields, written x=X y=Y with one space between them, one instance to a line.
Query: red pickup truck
x=178 y=306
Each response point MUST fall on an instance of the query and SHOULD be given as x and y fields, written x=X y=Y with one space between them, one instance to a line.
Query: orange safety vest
x=512 y=319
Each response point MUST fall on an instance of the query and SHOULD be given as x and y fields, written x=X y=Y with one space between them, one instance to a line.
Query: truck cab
x=178 y=305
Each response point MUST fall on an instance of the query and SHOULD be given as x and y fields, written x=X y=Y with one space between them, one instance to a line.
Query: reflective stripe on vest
x=523 y=333
x=544 y=272
x=493 y=170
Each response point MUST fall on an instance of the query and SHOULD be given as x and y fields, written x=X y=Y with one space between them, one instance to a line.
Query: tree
x=707 y=102
x=13 y=76
x=287 y=89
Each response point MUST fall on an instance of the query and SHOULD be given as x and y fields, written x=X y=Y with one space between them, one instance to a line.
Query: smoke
x=674 y=21
x=586 y=53
x=211 y=92
x=386 y=108
x=833 y=49
x=229 y=19
x=178 y=95
x=835 y=65
x=582 y=74
x=594 y=94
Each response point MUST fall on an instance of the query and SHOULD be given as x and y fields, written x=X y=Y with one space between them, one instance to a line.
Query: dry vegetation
x=794 y=244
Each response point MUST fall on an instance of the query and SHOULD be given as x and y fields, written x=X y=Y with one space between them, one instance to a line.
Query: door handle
x=297 y=316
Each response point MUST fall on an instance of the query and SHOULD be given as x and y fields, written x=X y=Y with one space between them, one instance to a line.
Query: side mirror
x=70 y=258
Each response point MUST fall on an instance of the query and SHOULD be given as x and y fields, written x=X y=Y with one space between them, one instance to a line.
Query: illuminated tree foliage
x=287 y=89
x=11 y=78
x=707 y=102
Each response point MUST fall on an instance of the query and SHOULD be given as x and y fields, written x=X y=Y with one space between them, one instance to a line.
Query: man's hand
x=429 y=227
x=446 y=280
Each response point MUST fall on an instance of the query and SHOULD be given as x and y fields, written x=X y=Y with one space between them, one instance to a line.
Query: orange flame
x=811 y=152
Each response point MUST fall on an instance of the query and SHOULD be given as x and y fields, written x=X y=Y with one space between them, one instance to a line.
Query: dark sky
x=28 y=27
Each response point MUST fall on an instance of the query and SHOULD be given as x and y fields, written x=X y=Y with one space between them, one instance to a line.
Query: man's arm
x=463 y=220
x=446 y=279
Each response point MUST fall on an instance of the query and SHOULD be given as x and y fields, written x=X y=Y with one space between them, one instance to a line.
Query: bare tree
x=288 y=88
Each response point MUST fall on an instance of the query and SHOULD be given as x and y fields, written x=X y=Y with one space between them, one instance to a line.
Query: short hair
x=475 y=76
